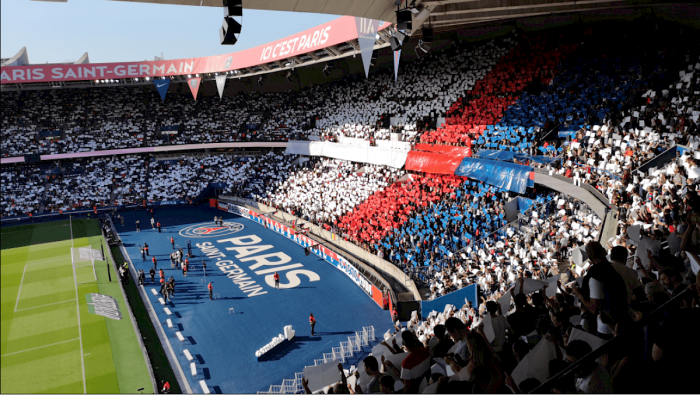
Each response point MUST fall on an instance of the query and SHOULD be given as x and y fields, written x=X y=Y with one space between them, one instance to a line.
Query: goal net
x=84 y=262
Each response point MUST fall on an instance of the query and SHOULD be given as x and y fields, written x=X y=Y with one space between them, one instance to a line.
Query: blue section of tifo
x=445 y=227
x=506 y=175
x=524 y=204
x=591 y=86
x=224 y=344
x=455 y=298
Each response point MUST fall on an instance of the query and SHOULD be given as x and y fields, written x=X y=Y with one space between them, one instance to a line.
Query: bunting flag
x=193 y=83
x=366 y=36
x=162 y=86
x=220 y=83
x=397 y=57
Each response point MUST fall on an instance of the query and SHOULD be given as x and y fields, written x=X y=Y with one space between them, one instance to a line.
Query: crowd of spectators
x=538 y=328
x=59 y=186
x=22 y=188
x=325 y=189
x=544 y=236
x=128 y=117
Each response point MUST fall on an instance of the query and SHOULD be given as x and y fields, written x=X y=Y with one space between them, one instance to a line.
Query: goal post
x=83 y=259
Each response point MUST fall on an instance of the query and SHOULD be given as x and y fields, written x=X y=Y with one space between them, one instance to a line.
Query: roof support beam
x=443 y=2
x=466 y=21
x=520 y=7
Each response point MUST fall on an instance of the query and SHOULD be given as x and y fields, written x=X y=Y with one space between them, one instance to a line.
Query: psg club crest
x=210 y=229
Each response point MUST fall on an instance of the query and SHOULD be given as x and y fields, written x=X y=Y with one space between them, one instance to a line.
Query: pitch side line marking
x=20 y=287
x=77 y=304
x=36 y=348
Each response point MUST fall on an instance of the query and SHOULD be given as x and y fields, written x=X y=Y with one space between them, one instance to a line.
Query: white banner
x=394 y=144
x=372 y=155
x=367 y=30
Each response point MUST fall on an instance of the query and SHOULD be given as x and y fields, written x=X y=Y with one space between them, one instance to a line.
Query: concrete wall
x=568 y=188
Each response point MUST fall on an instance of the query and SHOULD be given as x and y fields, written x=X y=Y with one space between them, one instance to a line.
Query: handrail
x=643 y=167
x=546 y=386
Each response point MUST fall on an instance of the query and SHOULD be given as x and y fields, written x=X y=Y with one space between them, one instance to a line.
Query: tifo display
x=497 y=208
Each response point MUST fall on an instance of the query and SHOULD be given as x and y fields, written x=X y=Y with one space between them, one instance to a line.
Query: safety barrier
x=318 y=373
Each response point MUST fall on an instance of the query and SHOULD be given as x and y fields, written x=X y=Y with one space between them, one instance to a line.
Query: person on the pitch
x=158 y=225
x=312 y=322
x=277 y=280
x=204 y=267
x=145 y=247
x=153 y=223
x=143 y=253
x=211 y=290
x=138 y=225
x=153 y=275
x=155 y=262
x=172 y=242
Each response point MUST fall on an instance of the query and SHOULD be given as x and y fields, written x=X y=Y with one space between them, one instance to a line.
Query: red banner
x=194 y=85
x=377 y=296
x=433 y=162
x=328 y=34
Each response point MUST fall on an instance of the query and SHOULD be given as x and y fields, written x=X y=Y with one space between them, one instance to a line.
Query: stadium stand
x=609 y=112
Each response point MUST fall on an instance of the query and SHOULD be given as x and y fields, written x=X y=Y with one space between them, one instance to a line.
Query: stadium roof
x=443 y=13
x=328 y=41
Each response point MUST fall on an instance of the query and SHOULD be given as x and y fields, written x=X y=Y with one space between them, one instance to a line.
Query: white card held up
x=536 y=363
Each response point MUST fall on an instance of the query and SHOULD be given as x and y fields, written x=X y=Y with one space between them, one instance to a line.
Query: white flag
x=220 y=82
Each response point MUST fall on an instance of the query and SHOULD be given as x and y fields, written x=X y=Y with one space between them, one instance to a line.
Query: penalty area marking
x=36 y=348
x=43 y=305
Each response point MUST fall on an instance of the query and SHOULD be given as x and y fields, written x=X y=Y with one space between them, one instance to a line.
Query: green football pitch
x=52 y=340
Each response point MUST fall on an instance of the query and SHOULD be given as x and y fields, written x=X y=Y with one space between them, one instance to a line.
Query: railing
x=659 y=160
x=653 y=317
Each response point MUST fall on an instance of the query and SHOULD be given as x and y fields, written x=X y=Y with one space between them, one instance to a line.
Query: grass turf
x=41 y=329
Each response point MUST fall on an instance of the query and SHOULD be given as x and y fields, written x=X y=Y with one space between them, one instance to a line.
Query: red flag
x=193 y=83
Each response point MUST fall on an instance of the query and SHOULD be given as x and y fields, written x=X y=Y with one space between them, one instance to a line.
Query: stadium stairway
x=42 y=207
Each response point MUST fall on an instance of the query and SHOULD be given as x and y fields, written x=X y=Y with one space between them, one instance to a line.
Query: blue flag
x=162 y=86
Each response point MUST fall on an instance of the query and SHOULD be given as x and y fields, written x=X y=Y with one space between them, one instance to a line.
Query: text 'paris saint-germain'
x=246 y=249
